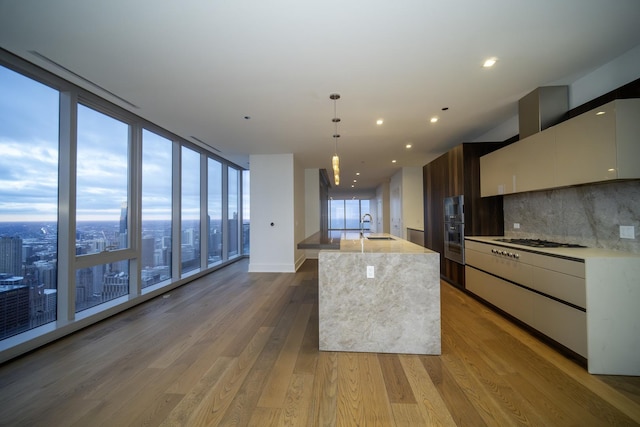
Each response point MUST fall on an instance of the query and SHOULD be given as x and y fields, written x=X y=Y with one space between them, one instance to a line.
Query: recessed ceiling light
x=599 y=113
x=355 y=180
x=358 y=173
x=408 y=146
x=490 y=62
x=379 y=122
x=434 y=119
x=393 y=161
x=352 y=186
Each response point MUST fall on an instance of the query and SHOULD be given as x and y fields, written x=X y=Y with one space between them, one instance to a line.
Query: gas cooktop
x=537 y=243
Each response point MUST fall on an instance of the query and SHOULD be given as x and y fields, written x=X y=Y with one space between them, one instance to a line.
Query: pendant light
x=335 y=160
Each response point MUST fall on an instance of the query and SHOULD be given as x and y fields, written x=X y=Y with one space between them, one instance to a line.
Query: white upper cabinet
x=497 y=172
x=535 y=166
x=599 y=145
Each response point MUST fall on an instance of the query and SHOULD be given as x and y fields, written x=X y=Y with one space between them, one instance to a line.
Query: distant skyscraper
x=11 y=255
x=148 y=251
x=123 y=218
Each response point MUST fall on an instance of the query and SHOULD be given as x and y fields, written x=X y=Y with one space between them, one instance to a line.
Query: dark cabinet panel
x=458 y=172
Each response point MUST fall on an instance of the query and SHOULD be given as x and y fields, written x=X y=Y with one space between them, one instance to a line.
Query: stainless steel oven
x=454 y=228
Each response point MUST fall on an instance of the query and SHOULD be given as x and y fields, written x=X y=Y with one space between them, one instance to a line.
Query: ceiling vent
x=542 y=108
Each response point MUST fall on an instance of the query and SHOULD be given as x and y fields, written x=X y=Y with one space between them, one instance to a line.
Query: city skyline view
x=51 y=181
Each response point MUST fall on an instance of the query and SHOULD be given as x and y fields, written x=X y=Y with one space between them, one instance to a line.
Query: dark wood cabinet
x=458 y=172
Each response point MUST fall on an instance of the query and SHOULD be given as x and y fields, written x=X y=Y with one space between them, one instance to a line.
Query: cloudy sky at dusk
x=29 y=161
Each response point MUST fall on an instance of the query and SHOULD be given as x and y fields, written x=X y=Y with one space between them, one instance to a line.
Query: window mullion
x=135 y=211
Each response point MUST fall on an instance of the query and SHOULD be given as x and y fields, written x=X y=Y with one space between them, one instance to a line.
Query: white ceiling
x=198 y=67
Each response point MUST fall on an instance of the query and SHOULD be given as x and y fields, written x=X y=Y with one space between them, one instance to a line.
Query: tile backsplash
x=590 y=215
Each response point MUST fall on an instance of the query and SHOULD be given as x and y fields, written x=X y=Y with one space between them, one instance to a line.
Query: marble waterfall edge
x=397 y=311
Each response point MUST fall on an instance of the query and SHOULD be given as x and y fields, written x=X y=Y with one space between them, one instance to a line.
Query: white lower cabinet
x=546 y=293
x=589 y=304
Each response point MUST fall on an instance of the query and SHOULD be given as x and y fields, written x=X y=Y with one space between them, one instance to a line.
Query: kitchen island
x=379 y=293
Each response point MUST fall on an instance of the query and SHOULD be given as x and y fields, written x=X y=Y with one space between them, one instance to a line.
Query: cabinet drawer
x=509 y=269
x=562 y=323
x=504 y=295
x=568 y=288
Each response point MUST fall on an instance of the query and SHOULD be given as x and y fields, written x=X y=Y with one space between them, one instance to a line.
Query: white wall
x=406 y=201
x=395 y=205
x=299 y=212
x=272 y=201
x=412 y=199
x=311 y=201
x=382 y=208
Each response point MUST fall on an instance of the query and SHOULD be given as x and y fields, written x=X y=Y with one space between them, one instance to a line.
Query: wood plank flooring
x=241 y=349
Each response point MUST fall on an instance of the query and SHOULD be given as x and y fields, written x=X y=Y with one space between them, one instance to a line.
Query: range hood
x=542 y=108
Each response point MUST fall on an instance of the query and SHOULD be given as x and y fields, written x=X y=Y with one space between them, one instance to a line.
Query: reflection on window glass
x=101 y=283
x=246 y=205
x=102 y=178
x=28 y=203
x=190 y=227
x=156 y=208
x=214 y=213
x=233 y=209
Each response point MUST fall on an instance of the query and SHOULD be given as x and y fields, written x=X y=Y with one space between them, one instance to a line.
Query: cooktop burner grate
x=537 y=243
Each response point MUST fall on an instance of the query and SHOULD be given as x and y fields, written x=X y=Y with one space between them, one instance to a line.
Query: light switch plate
x=370 y=272
x=627 y=232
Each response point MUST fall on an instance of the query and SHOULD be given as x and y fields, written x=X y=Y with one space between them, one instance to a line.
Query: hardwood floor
x=234 y=348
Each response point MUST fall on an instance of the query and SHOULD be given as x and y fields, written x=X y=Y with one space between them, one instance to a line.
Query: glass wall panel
x=101 y=283
x=156 y=208
x=336 y=214
x=347 y=214
x=364 y=209
x=233 y=207
x=352 y=214
x=102 y=221
x=246 y=208
x=214 y=211
x=190 y=227
x=28 y=203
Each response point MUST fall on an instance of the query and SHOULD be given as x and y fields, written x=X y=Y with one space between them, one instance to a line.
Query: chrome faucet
x=362 y=223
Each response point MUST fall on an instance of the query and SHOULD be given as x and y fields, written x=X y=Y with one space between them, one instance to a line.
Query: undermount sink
x=380 y=238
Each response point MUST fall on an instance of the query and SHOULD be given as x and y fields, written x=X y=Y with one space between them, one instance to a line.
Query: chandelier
x=335 y=160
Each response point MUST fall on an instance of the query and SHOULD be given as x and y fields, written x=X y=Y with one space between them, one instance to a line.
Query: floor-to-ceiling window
x=99 y=208
x=233 y=210
x=347 y=214
x=246 y=208
x=156 y=207
x=214 y=211
x=102 y=219
x=190 y=228
x=28 y=203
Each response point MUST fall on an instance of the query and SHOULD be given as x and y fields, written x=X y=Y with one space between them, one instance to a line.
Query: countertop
x=578 y=253
x=329 y=240
x=351 y=241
